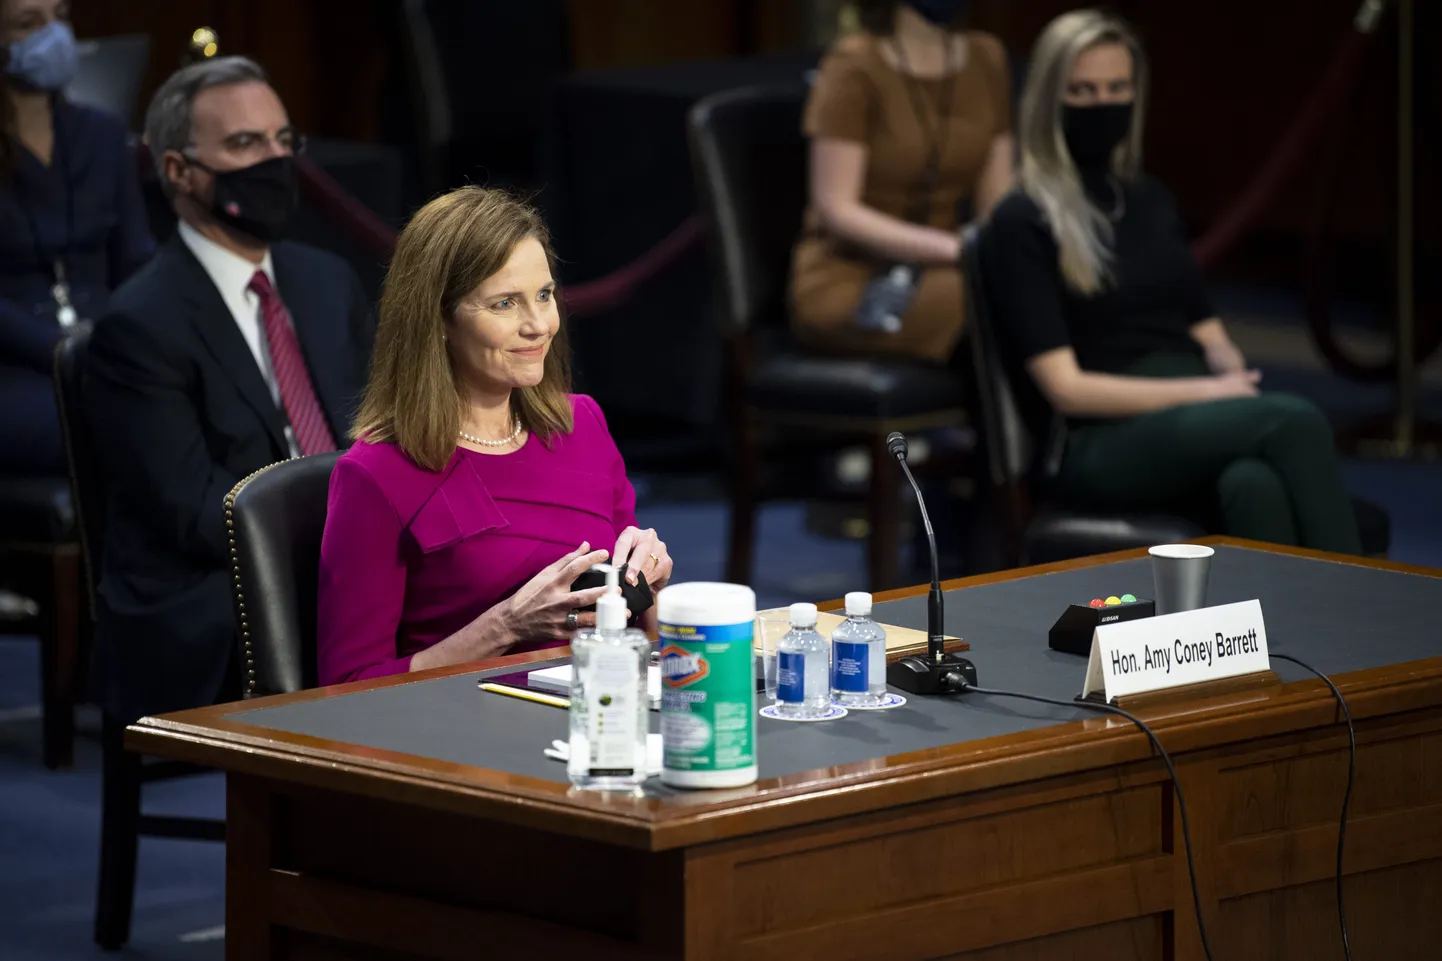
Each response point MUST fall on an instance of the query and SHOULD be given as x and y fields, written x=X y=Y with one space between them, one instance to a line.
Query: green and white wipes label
x=707 y=697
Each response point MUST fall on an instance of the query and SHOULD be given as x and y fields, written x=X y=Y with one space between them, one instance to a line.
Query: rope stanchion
x=1329 y=100
x=1318 y=285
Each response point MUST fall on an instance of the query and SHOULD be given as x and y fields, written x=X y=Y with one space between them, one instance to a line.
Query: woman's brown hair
x=414 y=396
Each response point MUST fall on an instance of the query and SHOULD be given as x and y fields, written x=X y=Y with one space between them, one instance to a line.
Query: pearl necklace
x=472 y=438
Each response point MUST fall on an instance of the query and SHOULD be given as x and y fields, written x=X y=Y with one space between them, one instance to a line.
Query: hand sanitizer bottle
x=609 y=698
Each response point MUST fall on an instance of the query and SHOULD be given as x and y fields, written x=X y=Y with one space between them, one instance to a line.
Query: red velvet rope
x=616 y=288
x=339 y=207
x=344 y=211
x=1298 y=140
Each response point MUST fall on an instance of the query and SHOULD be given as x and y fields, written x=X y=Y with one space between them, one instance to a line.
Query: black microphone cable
x=1346 y=796
x=1166 y=758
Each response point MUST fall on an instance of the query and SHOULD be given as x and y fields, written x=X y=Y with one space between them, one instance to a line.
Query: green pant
x=1264 y=468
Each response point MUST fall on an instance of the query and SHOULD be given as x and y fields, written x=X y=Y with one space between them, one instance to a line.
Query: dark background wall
x=1228 y=76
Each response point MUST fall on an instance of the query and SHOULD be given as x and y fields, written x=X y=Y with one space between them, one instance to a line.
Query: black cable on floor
x=1166 y=758
x=1346 y=797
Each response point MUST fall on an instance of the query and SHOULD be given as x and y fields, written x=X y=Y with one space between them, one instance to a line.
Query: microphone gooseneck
x=896 y=444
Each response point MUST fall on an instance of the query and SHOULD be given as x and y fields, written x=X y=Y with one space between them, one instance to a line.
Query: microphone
x=938 y=672
x=896 y=443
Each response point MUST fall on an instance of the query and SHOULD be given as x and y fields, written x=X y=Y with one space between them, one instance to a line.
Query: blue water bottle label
x=791 y=678
x=849 y=663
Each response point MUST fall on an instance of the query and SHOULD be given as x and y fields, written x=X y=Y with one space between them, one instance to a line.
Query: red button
x=1097 y=602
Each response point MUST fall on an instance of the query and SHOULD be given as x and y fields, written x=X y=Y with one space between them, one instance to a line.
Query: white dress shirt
x=231 y=274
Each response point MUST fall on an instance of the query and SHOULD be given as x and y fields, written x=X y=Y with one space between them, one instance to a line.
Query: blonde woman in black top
x=1096 y=291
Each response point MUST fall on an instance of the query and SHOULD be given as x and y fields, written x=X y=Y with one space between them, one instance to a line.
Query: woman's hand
x=1240 y=384
x=540 y=608
x=643 y=552
x=1223 y=357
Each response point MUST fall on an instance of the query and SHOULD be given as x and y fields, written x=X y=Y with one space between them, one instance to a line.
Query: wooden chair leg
x=119 y=837
x=884 y=517
x=60 y=660
x=745 y=463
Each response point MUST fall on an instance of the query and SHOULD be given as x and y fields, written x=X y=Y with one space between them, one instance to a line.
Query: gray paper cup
x=1180 y=573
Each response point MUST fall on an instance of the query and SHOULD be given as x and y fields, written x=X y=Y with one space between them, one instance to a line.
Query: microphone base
x=922 y=675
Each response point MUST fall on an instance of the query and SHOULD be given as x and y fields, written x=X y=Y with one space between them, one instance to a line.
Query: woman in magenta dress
x=479 y=488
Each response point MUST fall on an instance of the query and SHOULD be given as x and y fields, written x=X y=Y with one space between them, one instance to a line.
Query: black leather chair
x=1023 y=437
x=749 y=160
x=275 y=518
x=41 y=558
x=122 y=773
x=40 y=561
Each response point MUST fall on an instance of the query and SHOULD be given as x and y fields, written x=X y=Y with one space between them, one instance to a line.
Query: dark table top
x=1339 y=617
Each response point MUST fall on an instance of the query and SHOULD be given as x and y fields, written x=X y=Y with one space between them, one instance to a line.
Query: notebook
x=899 y=640
x=557 y=680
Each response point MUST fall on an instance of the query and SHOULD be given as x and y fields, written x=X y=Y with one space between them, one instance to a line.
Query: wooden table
x=1058 y=842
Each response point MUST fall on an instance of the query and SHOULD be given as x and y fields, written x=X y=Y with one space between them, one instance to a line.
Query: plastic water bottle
x=803 y=682
x=886 y=299
x=858 y=656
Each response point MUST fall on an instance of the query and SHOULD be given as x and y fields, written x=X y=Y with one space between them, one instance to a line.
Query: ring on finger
x=655 y=561
x=573 y=620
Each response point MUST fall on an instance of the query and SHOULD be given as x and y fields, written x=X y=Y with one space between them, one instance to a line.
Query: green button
x=1129 y=599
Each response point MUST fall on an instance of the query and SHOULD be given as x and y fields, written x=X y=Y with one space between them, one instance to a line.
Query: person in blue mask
x=72 y=223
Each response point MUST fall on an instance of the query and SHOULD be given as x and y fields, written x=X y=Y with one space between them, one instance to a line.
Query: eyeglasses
x=254 y=142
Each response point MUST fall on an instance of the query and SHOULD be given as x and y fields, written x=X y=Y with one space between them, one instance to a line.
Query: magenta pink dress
x=410 y=556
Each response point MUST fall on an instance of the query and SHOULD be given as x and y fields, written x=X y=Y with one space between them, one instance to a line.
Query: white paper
x=1172 y=650
x=558 y=680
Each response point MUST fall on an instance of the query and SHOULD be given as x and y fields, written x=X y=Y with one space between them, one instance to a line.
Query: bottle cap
x=611 y=607
x=803 y=615
x=858 y=604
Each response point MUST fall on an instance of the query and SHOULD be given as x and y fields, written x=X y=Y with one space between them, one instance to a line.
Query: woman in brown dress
x=908 y=99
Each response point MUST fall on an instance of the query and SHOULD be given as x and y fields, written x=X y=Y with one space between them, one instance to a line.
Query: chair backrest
x=1019 y=432
x=748 y=157
x=109 y=74
x=87 y=488
x=275 y=519
x=429 y=96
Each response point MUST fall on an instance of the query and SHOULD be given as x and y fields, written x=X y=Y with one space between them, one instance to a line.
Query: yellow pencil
x=525 y=695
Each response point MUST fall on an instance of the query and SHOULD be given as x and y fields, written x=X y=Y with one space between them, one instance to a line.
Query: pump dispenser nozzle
x=611 y=608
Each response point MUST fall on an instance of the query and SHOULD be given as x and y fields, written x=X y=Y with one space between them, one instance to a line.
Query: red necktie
x=297 y=395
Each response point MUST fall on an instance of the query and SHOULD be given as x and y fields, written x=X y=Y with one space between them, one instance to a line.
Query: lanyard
x=938 y=133
x=65 y=312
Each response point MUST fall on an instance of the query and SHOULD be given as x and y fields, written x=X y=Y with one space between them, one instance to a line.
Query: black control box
x=1072 y=633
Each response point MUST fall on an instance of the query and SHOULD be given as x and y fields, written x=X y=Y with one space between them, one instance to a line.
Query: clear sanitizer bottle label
x=611 y=735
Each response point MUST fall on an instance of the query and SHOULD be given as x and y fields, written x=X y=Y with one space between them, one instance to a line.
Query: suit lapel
x=320 y=327
x=208 y=314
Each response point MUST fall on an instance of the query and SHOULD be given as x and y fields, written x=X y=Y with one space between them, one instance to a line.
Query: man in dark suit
x=229 y=351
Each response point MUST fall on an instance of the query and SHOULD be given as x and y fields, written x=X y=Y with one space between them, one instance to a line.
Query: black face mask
x=258 y=200
x=1092 y=133
x=942 y=13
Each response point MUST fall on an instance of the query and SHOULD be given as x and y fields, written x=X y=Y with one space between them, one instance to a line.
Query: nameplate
x=1172 y=650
